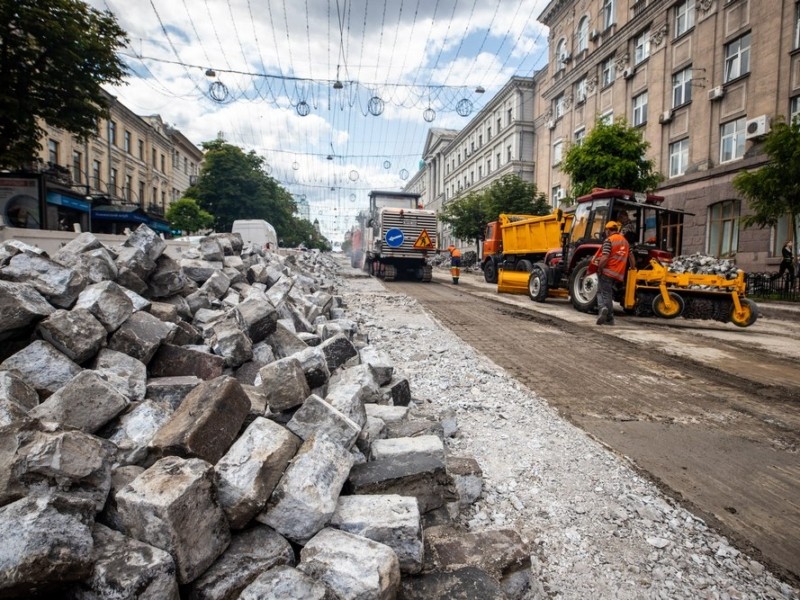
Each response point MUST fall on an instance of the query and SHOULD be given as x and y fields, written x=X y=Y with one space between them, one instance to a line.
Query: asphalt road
x=709 y=411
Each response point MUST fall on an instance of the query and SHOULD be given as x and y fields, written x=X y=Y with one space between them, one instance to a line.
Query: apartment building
x=497 y=141
x=127 y=174
x=702 y=79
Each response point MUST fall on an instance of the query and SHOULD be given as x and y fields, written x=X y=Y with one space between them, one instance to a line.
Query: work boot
x=602 y=318
x=611 y=321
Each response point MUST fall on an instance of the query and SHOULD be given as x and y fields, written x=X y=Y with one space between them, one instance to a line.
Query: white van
x=258 y=232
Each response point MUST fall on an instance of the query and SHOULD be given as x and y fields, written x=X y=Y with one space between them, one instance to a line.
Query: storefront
x=68 y=212
x=20 y=204
x=117 y=218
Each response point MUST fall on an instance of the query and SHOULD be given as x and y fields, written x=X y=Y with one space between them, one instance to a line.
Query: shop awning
x=68 y=202
x=122 y=212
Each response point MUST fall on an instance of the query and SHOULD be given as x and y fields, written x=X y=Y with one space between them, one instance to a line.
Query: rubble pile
x=702 y=264
x=215 y=427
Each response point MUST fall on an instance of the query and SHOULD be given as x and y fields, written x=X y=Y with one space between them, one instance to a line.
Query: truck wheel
x=537 y=284
x=661 y=309
x=524 y=265
x=748 y=315
x=490 y=271
x=583 y=287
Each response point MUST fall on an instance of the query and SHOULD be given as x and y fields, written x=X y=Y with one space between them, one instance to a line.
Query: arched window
x=582 y=37
x=561 y=54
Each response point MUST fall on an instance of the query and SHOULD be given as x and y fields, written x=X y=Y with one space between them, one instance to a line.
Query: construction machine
x=398 y=237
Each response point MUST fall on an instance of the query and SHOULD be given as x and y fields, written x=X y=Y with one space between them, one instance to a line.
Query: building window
x=794 y=108
x=580 y=91
x=682 y=87
x=582 y=37
x=499 y=123
x=155 y=158
x=472 y=146
x=52 y=152
x=176 y=159
x=141 y=149
x=112 y=133
x=607 y=72
x=797 y=26
x=77 y=160
x=498 y=160
x=579 y=135
x=731 y=145
x=480 y=172
x=163 y=199
x=559 y=106
x=723 y=228
x=607 y=13
x=96 y=174
x=480 y=140
x=112 y=182
x=185 y=166
x=684 y=17
x=127 y=189
x=737 y=58
x=640 y=109
x=155 y=196
x=556 y=196
x=127 y=142
x=561 y=54
x=163 y=164
x=607 y=118
x=141 y=192
x=488 y=165
x=510 y=116
x=558 y=152
x=489 y=133
x=641 y=47
x=508 y=153
x=678 y=157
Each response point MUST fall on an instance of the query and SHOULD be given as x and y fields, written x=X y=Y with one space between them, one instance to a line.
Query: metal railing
x=769 y=286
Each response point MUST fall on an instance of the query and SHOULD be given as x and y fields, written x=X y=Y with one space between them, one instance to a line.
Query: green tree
x=233 y=185
x=611 y=156
x=513 y=195
x=54 y=56
x=773 y=191
x=468 y=216
x=186 y=215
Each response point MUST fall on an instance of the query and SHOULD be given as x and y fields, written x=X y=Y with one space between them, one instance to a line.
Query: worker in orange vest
x=612 y=260
x=455 y=262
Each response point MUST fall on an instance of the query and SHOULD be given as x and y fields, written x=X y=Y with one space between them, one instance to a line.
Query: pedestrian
x=455 y=262
x=612 y=260
x=787 y=261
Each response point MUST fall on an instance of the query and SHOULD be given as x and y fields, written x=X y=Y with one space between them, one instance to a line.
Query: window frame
x=77 y=161
x=641 y=47
x=737 y=64
x=607 y=67
x=684 y=11
x=578 y=136
x=733 y=139
x=607 y=14
x=112 y=132
x=723 y=228
x=640 y=109
x=558 y=152
x=580 y=90
x=794 y=108
x=561 y=54
x=127 y=141
x=607 y=117
x=684 y=87
x=556 y=195
x=797 y=25
x=678 y=157
x=559 y=106
x=582 y=35
x=52 y=151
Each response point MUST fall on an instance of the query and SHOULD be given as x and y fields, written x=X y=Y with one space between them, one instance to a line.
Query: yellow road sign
x=424 y=241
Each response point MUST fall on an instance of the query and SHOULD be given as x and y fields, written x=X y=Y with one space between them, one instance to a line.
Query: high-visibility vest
x=618 y=258
x=455 y=253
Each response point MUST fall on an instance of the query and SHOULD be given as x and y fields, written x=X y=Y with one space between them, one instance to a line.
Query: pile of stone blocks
x=215 y=427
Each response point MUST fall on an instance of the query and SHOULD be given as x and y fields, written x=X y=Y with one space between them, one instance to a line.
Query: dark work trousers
x=605 y=294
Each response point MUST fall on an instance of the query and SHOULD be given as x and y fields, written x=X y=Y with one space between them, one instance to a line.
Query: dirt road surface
x=708 y=411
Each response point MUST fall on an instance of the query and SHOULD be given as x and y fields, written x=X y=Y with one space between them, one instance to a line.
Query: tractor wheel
x=661 y=309
x=537 y=284
x=490 y=271
x=583 y=287
x=747 y=316
x=524 y=265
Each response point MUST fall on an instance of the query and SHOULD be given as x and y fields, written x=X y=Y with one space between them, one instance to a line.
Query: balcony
x=638 y=8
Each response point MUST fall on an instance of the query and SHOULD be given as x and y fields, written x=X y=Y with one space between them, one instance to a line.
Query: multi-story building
x=498 y=141
x=702 y=79
x=127 y=174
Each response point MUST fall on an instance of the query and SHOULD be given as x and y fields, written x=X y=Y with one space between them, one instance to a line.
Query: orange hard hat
x=612 y=225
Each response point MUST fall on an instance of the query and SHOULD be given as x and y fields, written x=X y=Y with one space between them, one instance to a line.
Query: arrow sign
x=394 y=237
x=424 y=241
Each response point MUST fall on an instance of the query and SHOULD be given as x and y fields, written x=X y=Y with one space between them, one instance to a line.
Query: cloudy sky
x=275 y=62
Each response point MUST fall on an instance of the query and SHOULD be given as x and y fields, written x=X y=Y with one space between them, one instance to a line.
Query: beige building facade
x=702 y=79
x=497 y=141
x=129 y=173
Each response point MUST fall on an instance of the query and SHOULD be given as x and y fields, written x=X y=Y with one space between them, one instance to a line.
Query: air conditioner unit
x=665 y=117
x=594 y=34
x=756 y=128
x=551 y=124
x=628 y=73
x=716 y=93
